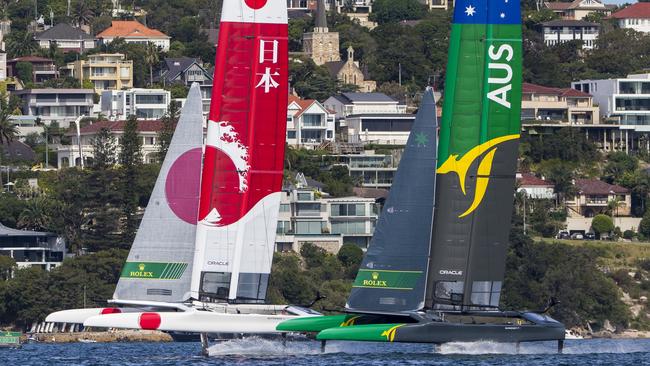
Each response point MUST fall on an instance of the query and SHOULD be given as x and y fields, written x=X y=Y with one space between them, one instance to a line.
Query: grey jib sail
x=392 y=277
x=159 y=266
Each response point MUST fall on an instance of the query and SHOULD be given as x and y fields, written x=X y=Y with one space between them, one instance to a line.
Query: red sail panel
x=249 y=96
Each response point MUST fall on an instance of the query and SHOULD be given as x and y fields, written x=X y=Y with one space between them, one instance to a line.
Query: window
x=252 y=286
x=215 y=285
x=349 y=227
x=486 y=293
x=285 y=207
x=450 y=290
x=149 y=141
x=330 y=134
x=358 y=209
x=304 y=197
x=291 y=135
x=150 y=99
x=284 y=227
x=312 y=120
x=310 y=227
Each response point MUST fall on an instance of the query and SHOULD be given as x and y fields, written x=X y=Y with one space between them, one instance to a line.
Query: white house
x=143 y=103
x=578 y=9
x=561 y=31
x=57 y=105
x=309 y=123
x=134 y=32
x=534 y=187
x=32 y=248
x=363 y=103
x=635 y=16
x=69 y=155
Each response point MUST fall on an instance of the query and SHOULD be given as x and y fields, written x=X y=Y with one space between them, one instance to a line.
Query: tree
x=7 y=266
x=386 y=11
x=644 y=226
x=151 y=57
x=104 y=149
x=25 y=72
x=21 y=44
x=166 y=133
x=37 y=215
x=82 y=13
x=131 y=160
x=619 y=163
x=602 y=224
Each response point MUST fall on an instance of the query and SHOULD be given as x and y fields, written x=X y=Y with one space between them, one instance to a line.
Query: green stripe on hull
x=368 y=333
x=316 y=324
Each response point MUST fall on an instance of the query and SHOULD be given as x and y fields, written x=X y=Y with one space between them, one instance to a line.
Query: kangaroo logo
x=460 y=166
x=390 y=333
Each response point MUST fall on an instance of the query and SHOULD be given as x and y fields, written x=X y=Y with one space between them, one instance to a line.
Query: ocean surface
x=264 y=352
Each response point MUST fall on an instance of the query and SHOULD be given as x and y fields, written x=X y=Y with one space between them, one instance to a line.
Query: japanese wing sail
x=159 y=265
x=244 y=155
x=479 y=138
x=392 y=276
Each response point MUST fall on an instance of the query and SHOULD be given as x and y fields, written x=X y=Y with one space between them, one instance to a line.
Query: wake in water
x=259 y=347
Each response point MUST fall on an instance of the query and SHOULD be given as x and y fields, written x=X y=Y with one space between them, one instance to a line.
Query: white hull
x=194 y=321
x=79 y=316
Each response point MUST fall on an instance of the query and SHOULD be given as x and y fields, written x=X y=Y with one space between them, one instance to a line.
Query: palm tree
x=21 y=44
x=151 y=57
x=82 y=14
x=8 y=130
x=35 y=216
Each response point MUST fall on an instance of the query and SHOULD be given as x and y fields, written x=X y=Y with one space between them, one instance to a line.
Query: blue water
x=264 y=352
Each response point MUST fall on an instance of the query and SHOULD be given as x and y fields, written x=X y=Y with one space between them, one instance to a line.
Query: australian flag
x=487 y=12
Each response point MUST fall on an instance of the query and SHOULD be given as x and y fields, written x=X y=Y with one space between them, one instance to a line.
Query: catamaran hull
x=191 y=321
x=79 y=316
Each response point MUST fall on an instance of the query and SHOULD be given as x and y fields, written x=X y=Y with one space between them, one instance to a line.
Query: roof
x=304 y=104
x=176 y=66
x=636 y=11
x=594 y=186
x=529 y=88
x=528 y=180
x=30 y=59
x=382 y=115
x=130 y=29
x=117 y=126
x=5 y=231
x=347 y=98
x=569 y=23
x=64 y=31
x=573 y=5
x=376 y=193
x=54 y=91
x=17 y=150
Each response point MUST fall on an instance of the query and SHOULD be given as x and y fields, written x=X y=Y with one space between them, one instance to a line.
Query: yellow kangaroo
x=461 y=166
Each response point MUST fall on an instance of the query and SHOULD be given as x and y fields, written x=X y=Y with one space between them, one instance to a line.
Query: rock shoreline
x=105 y=337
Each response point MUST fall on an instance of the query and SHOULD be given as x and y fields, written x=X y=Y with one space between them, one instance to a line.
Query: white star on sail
x=503 y=15
x=470 y=10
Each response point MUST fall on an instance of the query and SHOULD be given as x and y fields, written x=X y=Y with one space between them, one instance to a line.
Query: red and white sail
x=243 y=163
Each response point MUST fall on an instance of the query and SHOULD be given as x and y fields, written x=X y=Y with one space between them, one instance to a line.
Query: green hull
x=368 y=333
x=315 y=324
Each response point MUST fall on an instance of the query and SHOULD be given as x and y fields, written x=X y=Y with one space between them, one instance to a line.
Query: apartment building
x=106 y=71
x=561 y=31
x=309 y=123
x=57 y=105
x=148 y=104
x=43 y=69
x=32 y=248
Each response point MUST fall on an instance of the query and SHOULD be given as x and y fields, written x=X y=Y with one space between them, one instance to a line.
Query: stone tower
x=321 y=44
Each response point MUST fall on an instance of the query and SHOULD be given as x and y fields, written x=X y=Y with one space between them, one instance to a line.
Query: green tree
x=37 y=215
x=131 y=160
x=602 y=224
x=8 y=130
x=82 y=14
x=386 y=11
x=104 y=149
x=20 y=44
x=619 y=163
x=644 y=226
x=25 y=72
x=151 y=58
x=166 y=133
x=314 y=256
x=7 y=267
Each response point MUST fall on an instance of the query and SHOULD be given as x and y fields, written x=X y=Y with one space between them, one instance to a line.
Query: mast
x=242 y=173
x=479 y=139
x=392 y=276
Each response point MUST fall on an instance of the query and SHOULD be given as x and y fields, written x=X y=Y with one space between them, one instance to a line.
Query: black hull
x=440 y=332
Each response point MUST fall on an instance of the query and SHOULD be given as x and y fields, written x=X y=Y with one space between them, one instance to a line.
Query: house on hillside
x=106 y=71
x=309 y=123
x=186 y=70
x=350 y=72
x=57 y=105
x=133 y=31
x=149 y=104
x=534 y=187
x=32 y=248
x=557 y=105
x=66 y=38
x=69 y=156
x=578 y=9
x=597 y=197
x=561 y=31
x=635 y=16
x=43 y=69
